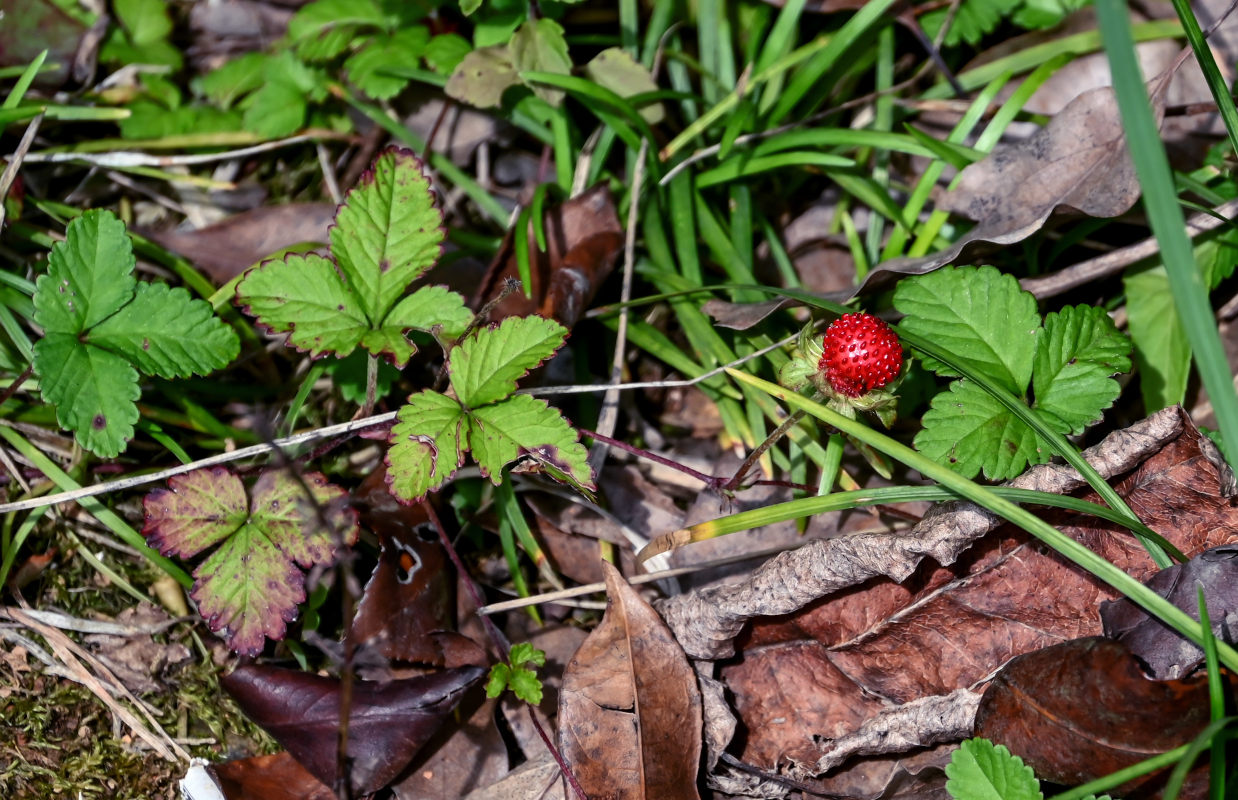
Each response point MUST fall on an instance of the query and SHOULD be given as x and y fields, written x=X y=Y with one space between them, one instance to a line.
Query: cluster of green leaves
x=981 y=770
x=975 y=19
x=248 y=589
x=101 y=326
x=984 y=318
x=514 y=675
x=482 y=415
x=141 y=35
x=387 y=234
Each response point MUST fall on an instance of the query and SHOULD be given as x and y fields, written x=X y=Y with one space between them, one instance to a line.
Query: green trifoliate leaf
x=388 y=232
x=485 y=368
x=228 y=83
x=979 y=315
x=539 y=46
x=980 y=770
x=249 y=588
x=967 y=429
x=95 y=392
x=524 y=652
x=89 y=275
x=427 y=445
x=403 y=49
x=165 y=332
x=524 y=426
x=100 y=323
x=1075 y=357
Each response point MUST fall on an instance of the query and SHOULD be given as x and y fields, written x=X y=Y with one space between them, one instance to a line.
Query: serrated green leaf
x=485 y=367
x=226 y=84
x=526 y=685
x=388 y=232
x=275 y=110
x=427 y=445
x=482 y=76
x=1075 y=356
x=967 y=429
x=979 y=770
x=445 y=52
x=403 y=49
x=467 y=7
x=971 y=22
x=431 y=307
x=312 y=19
x=328 y=44
x=499 y=674
x=305 y=295
x=146 y=21
x=979 y=315
x=615 y=69
x=538 y=46
x=525 y=426
x=89 y=275
x=1162 y=352
x=247 y=590
x=165 y=332
x=95 y=392
x=198 y=510
x=524 y=652
x=292 y=521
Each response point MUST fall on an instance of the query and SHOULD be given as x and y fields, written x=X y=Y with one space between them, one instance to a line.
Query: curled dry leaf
x=388 y=723
x=1085 y=708
x=630 y=711
x=1078 y=162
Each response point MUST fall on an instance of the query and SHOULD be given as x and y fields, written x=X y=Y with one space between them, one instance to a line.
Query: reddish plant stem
x=500 y=641
x=760 y=450
x=16 y=384
x=708 y=480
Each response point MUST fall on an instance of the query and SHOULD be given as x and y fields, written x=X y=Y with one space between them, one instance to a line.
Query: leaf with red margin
x=249 y=588
x=387 y=722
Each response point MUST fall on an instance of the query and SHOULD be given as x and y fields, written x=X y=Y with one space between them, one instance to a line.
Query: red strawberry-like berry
x=860 y=353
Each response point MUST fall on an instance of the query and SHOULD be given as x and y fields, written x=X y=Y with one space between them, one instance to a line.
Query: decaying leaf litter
x=836 y=669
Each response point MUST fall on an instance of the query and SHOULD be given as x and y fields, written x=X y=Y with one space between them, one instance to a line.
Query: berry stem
x=755 y=456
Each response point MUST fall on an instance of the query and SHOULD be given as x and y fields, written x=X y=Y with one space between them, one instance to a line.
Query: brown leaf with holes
x=1085 y=708
x=630 y=710
x=583 y=241
x=818 y=674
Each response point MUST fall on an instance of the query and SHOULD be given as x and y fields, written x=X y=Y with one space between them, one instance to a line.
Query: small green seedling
x=386 y=235
x=101 y=326
x=514 y=675
x=982 y=317
x=482 y=415
x=249 y=588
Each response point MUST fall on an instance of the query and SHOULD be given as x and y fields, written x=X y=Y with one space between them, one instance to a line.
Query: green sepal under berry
x=387 y=234
x=434 y=431
x=803 y=369
x=101 y=326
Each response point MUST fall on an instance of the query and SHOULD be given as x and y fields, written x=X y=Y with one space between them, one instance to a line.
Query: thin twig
x=120 y=159
x=22 y=153
x=760 y=450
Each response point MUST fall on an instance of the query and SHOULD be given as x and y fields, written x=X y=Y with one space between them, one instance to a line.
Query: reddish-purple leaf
x=249 y=588
x=387 y=722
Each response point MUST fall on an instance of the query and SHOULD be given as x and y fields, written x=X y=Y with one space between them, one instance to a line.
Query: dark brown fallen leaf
x=1078 y=162
x=470 y=754
x=226 y=249
x=274 y=777
x=630 y=711
x=583 y=241
x=1085 y=708
x=388 y=722
x=1165 y=653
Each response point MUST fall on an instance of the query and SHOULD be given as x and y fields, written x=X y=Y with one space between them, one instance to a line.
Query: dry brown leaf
x=1078 y=162
x=630 y=711
x=463 y=757
x=821 y=673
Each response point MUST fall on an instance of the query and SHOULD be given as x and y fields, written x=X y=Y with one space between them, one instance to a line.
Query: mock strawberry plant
x=984 y=318
x=102 y=326
x=387 y=234
x=854 y=366
x=482 y=415
x=249 y=588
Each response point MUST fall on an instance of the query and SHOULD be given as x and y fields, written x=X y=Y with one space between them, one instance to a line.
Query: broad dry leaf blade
x=630 y=710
